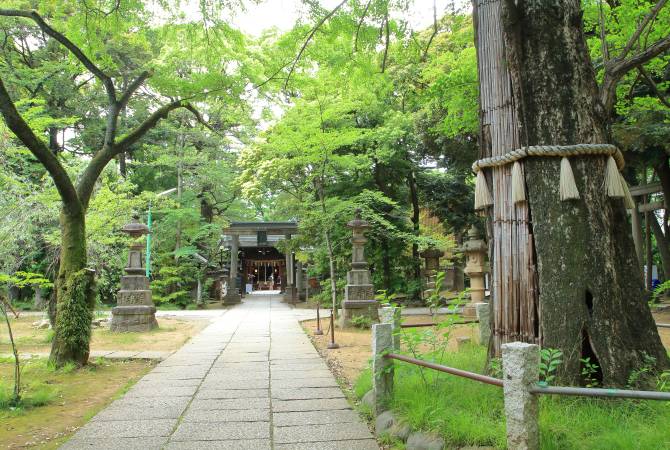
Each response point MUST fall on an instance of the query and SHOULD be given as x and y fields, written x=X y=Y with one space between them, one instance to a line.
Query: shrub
x=362 y=322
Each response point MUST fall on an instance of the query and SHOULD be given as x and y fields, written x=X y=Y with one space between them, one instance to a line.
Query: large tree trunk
x=590 y=300
x=74 y=293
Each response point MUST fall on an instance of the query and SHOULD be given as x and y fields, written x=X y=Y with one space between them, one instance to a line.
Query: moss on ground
x=56 y=402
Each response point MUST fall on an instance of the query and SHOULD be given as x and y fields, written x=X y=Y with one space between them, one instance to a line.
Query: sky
x=284 y=13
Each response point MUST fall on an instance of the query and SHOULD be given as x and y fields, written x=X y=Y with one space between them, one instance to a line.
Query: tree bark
x=74 y=292
x=591 y=302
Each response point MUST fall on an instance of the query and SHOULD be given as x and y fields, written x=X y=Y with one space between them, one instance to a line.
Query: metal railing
x=453 y=371
x=599 y=392
x=520 y=399
x=432 y=324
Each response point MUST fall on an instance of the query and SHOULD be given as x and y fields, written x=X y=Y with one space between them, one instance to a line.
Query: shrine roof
x=271 y=228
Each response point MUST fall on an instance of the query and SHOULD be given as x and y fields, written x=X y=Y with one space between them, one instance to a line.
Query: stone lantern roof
x=135 y=228
x=357 y=222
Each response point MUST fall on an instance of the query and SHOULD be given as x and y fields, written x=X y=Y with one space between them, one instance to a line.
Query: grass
x=465 y=412
x=56 y=402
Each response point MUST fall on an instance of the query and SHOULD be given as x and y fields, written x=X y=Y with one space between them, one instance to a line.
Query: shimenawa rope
x=615 y=185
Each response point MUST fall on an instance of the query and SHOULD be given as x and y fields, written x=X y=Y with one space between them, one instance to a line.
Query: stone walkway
x=250 y=381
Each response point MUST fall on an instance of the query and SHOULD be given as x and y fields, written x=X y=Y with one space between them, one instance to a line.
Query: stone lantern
x=475 y=268
x=432 y=265
x=359 y=293
x=135 y=310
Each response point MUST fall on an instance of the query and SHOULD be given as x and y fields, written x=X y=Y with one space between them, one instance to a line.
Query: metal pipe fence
x=451 y=370
x=520 y=363
x=599 y=392
x=432 y=324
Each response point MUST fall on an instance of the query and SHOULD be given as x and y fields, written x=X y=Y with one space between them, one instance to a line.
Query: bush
x=362 y=322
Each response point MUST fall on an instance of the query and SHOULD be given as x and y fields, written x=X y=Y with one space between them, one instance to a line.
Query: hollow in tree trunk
x=74 y=293
x=564 y=274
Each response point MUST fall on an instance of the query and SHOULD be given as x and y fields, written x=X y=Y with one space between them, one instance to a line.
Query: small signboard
x=261 y=238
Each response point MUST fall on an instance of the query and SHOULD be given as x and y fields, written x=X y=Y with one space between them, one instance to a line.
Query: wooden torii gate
x=643 y=243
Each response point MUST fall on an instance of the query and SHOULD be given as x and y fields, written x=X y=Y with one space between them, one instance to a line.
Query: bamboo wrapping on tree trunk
x=513 y=292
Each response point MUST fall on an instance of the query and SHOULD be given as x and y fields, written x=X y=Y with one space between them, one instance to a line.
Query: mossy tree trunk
x=74 y=292
x=589 y=295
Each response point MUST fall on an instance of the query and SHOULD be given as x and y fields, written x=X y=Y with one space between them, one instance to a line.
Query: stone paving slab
x=231 y=403
x=152 y=443
x=126 y=428
x=318 y=433
x=219 y=382
x=310 y=405
x=214 y=431
x=251 y=380
x=247 y=444
x=227 y=415
x=316 y=382
x=362 y=444
x=283 y=419
x=306 y=393
x=213 y=394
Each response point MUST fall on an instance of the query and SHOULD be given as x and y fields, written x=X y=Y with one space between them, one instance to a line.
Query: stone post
x=299 y=281
x=391 y=314
x=359 y=293
x=382 y=368
x=484 y=317
x=520 y=373
x=475 y=268
x=431 y=257
x=290 y=292
x=233 y=294
x=135 y=310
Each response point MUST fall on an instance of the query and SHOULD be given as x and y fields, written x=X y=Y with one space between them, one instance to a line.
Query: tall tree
x=74 y=284
x=565 y=274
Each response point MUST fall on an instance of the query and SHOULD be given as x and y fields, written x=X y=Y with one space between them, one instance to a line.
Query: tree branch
x=433 y=34
x=617 y=68
x=360 y=24
x=132 y=87
x=654 y=88
x=636 y=35
x=309 y=38
x=104 y=156
x=22 y=130
x=387 y=41
x=76 y=51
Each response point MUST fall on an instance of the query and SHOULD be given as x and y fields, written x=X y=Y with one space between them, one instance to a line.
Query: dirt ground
x=80 y=395
x=355 y=345
x=171 y=334
x=663 y=317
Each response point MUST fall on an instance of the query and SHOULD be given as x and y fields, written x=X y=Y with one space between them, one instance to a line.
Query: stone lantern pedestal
x=135 y=310
x=359 y=293
x=475 y=268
